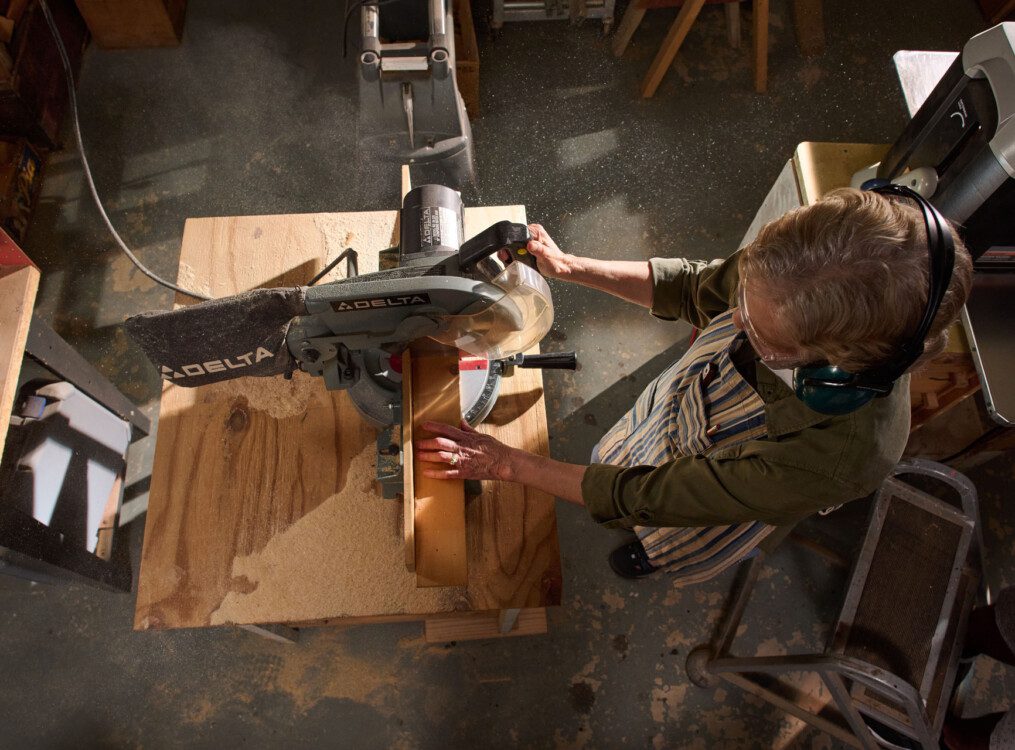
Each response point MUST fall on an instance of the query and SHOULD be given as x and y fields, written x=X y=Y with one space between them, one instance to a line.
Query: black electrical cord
x=72 y=96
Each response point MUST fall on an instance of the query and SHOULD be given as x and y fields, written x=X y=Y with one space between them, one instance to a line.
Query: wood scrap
x=471 y=626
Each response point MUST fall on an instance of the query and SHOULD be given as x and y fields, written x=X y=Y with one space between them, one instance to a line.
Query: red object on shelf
x=11 y=254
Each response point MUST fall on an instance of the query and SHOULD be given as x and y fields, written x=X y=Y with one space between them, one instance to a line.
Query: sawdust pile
x=361 y=231
x=187 y=278
x=277 y=397
x=344 y=558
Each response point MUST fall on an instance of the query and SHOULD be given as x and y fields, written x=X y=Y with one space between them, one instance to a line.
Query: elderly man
x=782 y=406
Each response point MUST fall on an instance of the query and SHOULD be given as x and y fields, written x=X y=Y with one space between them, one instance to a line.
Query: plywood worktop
x=263 y=505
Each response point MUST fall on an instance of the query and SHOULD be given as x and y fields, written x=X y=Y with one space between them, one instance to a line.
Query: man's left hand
x=463 y=453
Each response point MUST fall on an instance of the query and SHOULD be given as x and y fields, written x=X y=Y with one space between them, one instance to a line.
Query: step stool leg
x=670 y=46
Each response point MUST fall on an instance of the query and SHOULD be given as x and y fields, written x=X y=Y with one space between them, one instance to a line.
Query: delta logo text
x=216 y=365
x=371 y=303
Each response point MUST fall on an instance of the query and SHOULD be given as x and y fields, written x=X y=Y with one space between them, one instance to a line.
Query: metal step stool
x=894 y=651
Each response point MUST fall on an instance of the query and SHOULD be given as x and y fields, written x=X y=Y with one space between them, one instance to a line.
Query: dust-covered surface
x=255 y=113
x=297 y=560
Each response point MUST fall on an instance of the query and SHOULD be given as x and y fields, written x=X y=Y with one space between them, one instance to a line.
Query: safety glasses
x=773 y=357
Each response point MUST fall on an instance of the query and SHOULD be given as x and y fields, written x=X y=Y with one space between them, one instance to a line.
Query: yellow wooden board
x=481 y=625
x=822 y=167
x=18 y=287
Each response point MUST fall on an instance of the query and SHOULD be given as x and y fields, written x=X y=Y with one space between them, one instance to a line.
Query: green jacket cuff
x=598 y=492
x=668 y=279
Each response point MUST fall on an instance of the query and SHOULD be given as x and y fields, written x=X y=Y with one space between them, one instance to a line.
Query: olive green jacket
x=807 y=462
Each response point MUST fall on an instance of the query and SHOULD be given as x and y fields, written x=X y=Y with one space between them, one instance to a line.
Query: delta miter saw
x=483 y=296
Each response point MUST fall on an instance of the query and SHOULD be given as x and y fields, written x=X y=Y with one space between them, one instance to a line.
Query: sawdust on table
x=343 y=559
x=188 y=278
x=275 y=396
x=353 y=230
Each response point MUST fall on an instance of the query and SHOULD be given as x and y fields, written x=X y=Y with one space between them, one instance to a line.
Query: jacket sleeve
x=693 y=290
x=710 y=491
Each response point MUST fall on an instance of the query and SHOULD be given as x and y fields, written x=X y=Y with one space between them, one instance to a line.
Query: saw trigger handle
x=504 y=235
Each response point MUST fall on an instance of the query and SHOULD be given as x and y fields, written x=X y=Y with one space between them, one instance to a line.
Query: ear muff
x=831 y=390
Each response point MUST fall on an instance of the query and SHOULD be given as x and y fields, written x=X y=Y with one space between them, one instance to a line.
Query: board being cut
x=263 y=505
x=438 y=504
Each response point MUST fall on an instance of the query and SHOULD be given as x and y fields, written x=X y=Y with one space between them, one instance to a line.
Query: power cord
x=72 y=96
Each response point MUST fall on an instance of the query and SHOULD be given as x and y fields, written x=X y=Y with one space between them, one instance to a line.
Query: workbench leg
x=733 y=23
x=671 y=45
x=760 y=46
x=507 y=619
x=625 y=30
x=273 y=632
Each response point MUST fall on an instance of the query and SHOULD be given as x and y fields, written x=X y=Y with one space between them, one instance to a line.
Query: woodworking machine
x=410 y=108
x=482 y=296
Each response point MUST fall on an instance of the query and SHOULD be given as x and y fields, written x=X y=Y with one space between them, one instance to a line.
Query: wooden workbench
x=263 y=504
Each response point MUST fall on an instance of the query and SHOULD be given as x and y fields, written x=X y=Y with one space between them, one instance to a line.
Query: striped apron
x=699 y=405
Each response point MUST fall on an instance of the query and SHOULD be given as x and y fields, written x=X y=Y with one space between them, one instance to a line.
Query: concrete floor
x=253 y=114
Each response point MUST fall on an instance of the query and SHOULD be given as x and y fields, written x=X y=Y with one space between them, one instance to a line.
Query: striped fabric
x=698 y=405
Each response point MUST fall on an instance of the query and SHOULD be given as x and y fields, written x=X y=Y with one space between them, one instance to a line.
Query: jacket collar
x=784 y=412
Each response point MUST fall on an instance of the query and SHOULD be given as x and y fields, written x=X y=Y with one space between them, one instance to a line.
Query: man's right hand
x=551 y=260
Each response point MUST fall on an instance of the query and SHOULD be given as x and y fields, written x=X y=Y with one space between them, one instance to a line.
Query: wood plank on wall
x=18 y=287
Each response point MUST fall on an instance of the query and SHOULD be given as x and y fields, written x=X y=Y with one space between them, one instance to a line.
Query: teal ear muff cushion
x=829 y=399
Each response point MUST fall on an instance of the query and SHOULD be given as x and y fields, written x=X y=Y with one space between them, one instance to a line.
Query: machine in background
x=958 y=151
x=960 y=147
x=410 y=108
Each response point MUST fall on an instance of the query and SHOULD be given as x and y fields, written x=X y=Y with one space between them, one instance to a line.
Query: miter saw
x=483 y=296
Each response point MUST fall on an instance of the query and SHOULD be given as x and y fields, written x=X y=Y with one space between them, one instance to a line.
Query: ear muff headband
x=832 y=390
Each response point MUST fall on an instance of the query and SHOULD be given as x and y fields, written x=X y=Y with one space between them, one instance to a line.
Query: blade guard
x=513 y=324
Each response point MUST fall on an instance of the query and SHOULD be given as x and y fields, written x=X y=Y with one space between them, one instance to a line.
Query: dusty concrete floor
x=253 y=114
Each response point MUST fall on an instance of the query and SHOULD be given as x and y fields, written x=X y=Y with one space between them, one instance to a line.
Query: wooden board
x=120 y=24
x=18 y=287
x=263 y=506
x=822 y=167
x=480 y=625
x=438 y=504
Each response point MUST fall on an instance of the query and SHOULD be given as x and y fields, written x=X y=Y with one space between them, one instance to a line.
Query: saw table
x=264 y=508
